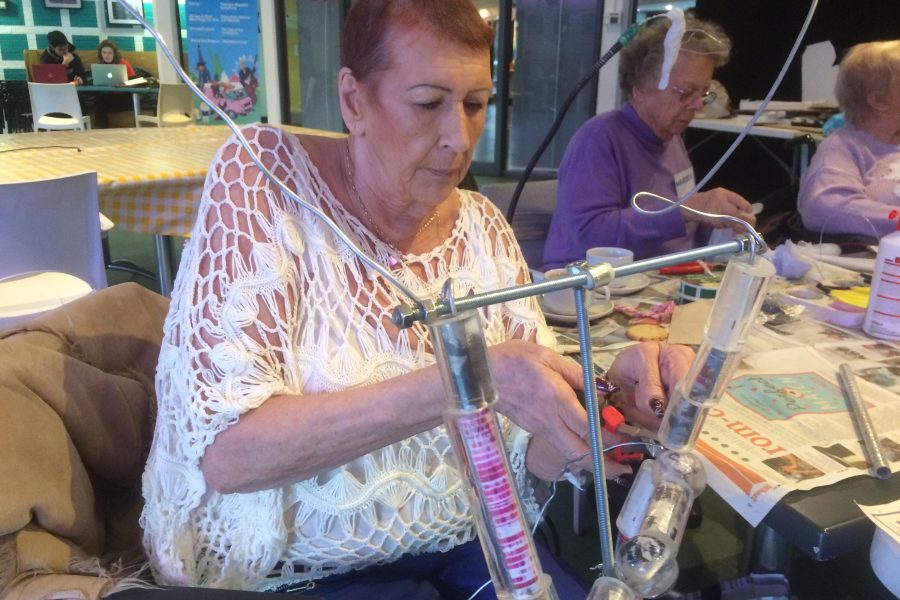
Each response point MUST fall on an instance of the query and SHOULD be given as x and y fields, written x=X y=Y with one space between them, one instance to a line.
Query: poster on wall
x=223 y=52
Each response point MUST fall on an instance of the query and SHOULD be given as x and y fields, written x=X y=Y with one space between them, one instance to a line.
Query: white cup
x=616 y=257
x=562 y=302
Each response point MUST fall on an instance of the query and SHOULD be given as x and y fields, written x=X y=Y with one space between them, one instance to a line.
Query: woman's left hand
x=646 y=373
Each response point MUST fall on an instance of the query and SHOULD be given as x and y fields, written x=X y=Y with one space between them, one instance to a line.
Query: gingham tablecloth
x=150 y=179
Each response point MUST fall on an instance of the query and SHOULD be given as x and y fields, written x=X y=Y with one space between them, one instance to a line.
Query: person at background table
x=105 y=103
x=299 y=431
x=108 y=54
x=853 y=181
x=638 y=147
x=60 y=52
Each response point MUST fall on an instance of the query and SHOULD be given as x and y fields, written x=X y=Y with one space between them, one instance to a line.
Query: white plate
x=634 y=284
x=596 y=311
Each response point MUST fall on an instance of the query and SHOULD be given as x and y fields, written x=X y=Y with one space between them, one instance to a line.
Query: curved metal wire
x=755 y=237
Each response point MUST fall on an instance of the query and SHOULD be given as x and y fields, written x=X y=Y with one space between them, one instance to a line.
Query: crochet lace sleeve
x=238 y=309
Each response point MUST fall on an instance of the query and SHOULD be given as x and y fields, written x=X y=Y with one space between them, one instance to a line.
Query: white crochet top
x=255 y=251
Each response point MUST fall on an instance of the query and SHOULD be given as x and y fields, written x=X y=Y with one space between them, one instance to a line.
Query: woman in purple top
x=639 y=148
x=853 y=182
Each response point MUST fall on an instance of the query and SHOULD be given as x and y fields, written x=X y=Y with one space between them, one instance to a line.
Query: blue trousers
x=438 y=576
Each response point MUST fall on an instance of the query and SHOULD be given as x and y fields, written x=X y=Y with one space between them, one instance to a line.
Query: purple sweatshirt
x=852 y=177
x=609 y=159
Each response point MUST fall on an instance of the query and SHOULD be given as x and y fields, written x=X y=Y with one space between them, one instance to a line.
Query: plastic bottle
x=883 y=313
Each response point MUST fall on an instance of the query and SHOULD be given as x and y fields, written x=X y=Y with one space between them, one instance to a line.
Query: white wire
x=790 y=58
x=265 y=171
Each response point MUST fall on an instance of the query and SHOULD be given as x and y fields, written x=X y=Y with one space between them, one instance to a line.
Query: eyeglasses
x=688 y=96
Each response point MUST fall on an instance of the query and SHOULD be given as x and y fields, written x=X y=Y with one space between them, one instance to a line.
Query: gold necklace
x=348 y=161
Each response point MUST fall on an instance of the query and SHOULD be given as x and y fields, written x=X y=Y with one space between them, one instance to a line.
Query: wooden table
x=150 y=179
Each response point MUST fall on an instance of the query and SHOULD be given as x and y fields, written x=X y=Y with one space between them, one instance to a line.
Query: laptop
x=52 y=73
x=109 y=74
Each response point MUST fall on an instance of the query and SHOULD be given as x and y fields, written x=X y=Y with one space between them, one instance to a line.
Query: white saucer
x=596 y=311
x=635 y=283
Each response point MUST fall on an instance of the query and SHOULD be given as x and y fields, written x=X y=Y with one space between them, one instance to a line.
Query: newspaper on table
x=783 y=423
x=886 y=517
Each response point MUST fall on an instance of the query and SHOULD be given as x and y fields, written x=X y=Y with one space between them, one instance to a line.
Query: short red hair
x=364 y=45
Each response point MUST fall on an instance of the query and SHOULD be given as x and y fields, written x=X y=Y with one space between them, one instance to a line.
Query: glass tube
x=736 y=306
x=472 y=425
x=608 y=588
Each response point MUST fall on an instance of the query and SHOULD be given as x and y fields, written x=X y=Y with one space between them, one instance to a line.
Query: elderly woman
x=639 y=148
x=853 y=182
x=299 y=431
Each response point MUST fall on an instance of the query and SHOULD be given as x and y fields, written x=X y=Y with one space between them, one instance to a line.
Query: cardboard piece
x=689 y=322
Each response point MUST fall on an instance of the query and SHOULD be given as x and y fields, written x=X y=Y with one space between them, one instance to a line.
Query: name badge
x=684 y=182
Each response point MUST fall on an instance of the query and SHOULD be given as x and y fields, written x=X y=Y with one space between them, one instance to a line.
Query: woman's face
x=668 y=112
x=422 y=117
x=107 y=54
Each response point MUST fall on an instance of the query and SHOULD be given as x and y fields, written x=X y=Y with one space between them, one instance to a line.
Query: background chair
x=174 y=107
x=531 y=221
x=50 y=244
x=56 y=98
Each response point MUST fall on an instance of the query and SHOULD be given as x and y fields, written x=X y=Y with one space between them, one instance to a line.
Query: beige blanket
x=76 y=420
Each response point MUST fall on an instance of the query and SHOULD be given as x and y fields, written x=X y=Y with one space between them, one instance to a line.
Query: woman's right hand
x=720 y=201
x=536 y=390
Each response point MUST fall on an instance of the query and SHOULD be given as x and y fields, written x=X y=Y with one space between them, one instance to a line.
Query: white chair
x=56 y=98
x=174 y=107
x=50 y=244
x=531 y=220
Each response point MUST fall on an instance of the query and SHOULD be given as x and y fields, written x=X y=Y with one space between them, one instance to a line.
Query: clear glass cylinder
x=647 y=562
x=475 y=433
x=647 y=565
x=608 y=588
x=681 y=425
x=736 y=306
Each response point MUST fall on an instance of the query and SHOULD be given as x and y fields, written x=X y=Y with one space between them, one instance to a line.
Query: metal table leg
x=164 y=262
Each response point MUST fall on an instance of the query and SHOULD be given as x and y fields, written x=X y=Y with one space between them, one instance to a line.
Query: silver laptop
x=109 y=74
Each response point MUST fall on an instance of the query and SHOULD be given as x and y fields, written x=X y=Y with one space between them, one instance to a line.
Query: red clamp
x=614 y=422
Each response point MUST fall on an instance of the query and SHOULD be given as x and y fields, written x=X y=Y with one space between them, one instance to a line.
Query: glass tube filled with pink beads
x=475 y=433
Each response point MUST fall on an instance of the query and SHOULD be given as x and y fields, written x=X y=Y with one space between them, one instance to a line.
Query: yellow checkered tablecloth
x=150 y=179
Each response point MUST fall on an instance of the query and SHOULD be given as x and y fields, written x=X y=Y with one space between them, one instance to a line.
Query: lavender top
x=853 y=179
x=609 y=159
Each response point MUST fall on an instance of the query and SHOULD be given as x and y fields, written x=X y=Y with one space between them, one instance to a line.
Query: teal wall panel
x=49 y=17
x=17 y=74
x=12 y=45
x=13 y=15
x=86 y=44
x=86 y=17
x=124 y=42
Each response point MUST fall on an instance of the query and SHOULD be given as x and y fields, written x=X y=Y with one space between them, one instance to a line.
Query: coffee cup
x=615 y=257
x=562 y=302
